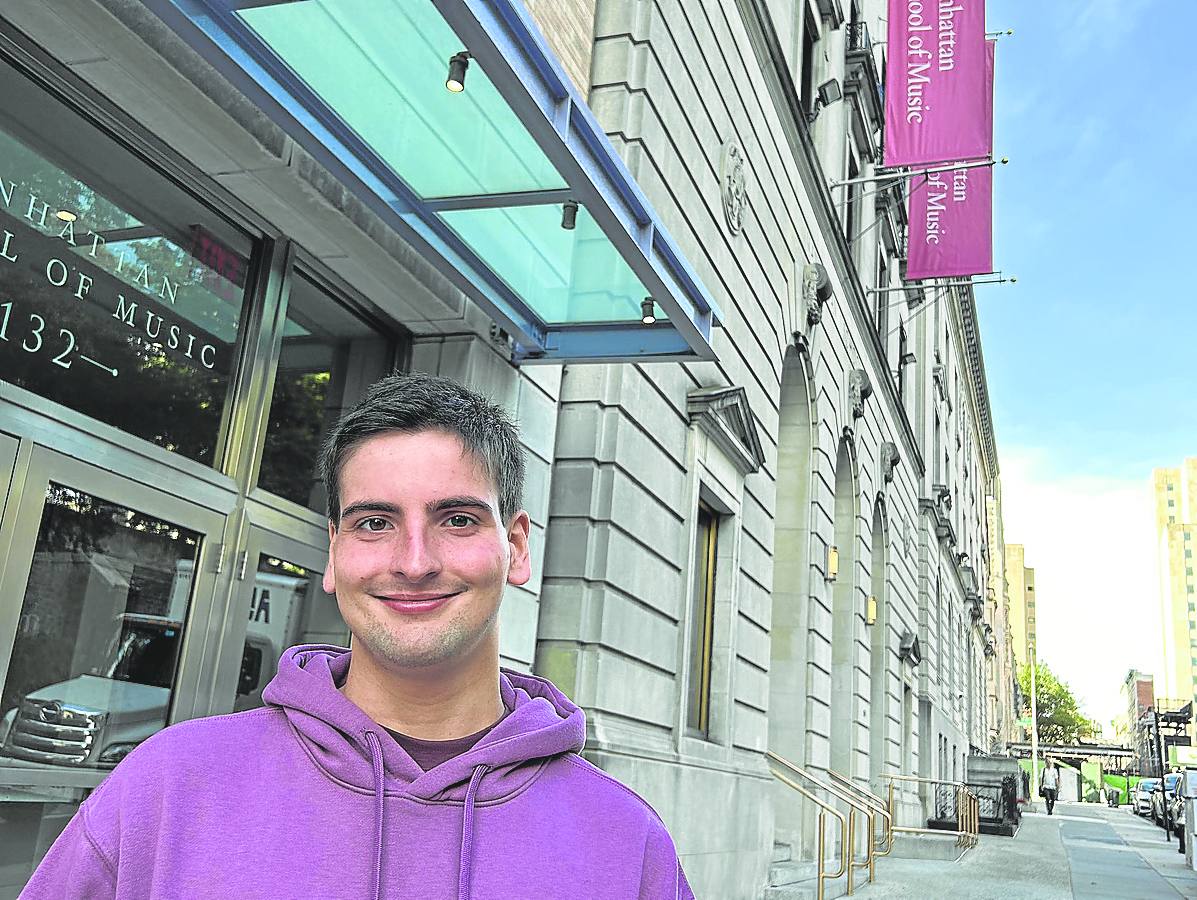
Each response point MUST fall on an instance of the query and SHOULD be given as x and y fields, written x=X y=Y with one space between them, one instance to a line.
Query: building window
x=702 y=621
x=852 y=212
x=121 y=296
x=810 y=40
x=329 y=356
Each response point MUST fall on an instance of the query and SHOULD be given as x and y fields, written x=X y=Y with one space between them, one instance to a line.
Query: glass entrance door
x=278 y=601
x=102 y=579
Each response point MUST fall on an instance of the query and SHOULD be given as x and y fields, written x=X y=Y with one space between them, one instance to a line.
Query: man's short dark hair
x=417 y=402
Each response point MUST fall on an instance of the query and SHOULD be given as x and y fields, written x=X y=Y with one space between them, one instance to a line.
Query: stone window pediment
x=724 y=415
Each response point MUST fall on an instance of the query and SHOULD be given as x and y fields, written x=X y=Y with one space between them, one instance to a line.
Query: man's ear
x=330 y=577
x=520 y=569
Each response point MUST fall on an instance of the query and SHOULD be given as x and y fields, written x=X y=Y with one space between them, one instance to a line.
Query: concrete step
x=926 y=846
x=808 y=889
x=782 y=852
x=805 y=891
x=791 y=872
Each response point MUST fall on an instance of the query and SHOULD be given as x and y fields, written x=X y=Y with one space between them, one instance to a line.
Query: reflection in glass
x=288 y=607
x=27 y=829
x=120 y=296
x=329 y=357
x=100 y=631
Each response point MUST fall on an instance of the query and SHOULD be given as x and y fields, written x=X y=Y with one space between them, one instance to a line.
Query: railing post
x=851 y=845
x=822 y=868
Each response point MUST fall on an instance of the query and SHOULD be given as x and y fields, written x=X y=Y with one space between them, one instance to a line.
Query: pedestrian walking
x=411 y=767
x=1049 y=784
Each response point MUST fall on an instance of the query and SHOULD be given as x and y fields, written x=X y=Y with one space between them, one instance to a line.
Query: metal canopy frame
x=502 y=38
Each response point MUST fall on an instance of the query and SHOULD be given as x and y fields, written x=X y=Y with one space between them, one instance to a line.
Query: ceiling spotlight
x=569 y=214
x=65 y=215
x=458 y=63
x=647 y=315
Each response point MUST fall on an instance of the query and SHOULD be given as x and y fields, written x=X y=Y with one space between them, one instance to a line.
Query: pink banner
x=951 y=213
x=935 y=83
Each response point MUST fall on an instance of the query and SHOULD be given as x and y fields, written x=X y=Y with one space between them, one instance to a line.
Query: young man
x=412 y=767
x=1049 y=784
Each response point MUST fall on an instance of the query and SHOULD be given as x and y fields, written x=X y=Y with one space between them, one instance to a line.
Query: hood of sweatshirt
x=541 y=723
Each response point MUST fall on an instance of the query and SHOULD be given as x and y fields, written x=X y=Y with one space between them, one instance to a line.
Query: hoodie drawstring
x=376 y=760
x=465 y=870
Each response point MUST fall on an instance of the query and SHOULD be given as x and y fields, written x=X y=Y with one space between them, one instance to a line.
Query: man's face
x=420 y=556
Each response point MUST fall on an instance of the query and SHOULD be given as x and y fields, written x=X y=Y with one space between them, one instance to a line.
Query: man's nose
x=414 y=556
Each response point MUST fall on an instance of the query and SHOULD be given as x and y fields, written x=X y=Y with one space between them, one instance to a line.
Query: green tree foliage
x=1059 y=717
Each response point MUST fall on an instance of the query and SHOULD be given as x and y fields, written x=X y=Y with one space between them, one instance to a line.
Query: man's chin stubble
x=454 y=642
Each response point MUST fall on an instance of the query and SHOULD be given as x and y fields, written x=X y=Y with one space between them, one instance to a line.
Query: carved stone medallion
x=733 y=181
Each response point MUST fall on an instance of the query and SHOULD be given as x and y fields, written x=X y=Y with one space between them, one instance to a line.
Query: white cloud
x=1091 y=542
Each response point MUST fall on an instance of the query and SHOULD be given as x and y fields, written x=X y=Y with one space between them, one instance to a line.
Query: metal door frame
x=261 y=530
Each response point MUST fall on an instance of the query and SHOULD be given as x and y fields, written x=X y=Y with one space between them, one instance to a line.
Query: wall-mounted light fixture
x=569 y=215
x=907 y=358
x=833 y=562
x=458 y=63
x=829 y=92
x=65 y=215
x=871 y=611
x=647 y=315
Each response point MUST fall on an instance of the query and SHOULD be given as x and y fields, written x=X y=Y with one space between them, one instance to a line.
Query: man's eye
x=460 y=521
x=374 y=523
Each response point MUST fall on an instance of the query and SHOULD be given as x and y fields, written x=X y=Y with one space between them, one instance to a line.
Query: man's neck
x=433 y=704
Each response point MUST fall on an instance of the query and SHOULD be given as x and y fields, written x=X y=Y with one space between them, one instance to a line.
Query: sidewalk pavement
x=1083 y=851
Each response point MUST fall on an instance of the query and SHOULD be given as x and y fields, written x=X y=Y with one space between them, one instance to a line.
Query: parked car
x=1177 y=813
x=1142 y=796
x=1161 y=798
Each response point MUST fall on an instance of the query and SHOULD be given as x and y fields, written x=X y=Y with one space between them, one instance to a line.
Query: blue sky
x=1092 y=354
x=1091 y=357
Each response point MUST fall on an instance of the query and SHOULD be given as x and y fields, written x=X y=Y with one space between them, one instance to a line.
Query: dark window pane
x=120 y=295
x=100 y=630
x=288 y=606
x=329 y=357
x=27 y=829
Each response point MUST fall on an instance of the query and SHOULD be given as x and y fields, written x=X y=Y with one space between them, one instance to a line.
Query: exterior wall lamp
x=833 y=562
x=829 y=92
x=871 y=611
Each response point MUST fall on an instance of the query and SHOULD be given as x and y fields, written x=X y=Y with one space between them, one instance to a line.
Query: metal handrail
x=878 y=806
x=856 y=806
x=968 y=810
x=824 y=808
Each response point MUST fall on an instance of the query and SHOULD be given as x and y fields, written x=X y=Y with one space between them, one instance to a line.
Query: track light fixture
x=458 y=63
x=569 y=214
x=647 y=315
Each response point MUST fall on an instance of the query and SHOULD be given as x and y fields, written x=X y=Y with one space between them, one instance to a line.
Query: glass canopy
x=482 y=181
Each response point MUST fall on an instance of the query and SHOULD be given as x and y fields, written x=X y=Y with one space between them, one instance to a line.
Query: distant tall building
x=1139 y=691
x=1176 y=531
x=1020 y=587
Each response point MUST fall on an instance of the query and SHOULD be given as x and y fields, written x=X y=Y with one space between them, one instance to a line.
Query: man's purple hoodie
x=309 y=798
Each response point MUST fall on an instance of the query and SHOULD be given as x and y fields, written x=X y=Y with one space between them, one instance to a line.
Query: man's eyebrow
x=464 y=502
x=368 y=506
